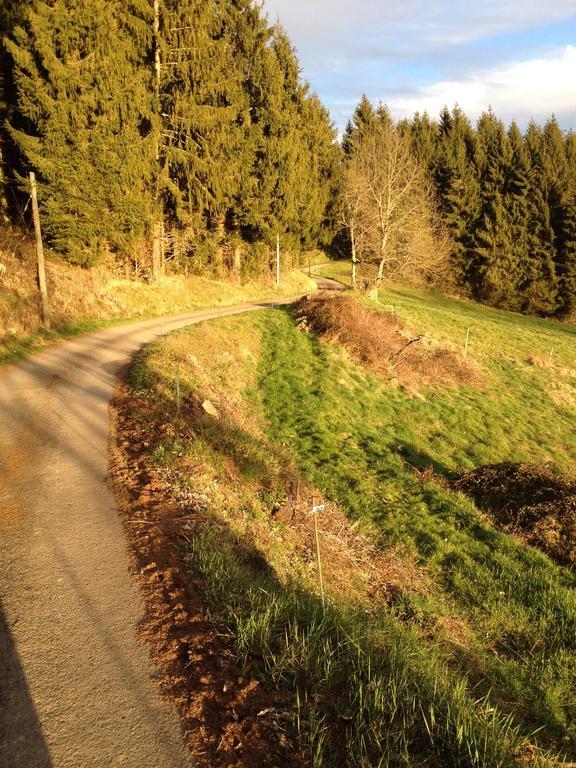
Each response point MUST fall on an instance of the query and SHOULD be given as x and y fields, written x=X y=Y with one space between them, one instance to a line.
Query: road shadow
x=22 y=743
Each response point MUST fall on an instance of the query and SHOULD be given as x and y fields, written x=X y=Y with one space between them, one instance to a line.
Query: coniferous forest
x=185 y=130
x=189 y=117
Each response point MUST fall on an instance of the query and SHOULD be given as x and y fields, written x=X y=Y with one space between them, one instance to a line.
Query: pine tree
x=11 y=14
x=497 y=275
x=566 y=233
x=541 y=284
x=361 y=124
x=299 y=156
x=206 y=112
x=319 y=192
x=536 y=293
x=84 y=121
x=457 y=181
x=425 y=133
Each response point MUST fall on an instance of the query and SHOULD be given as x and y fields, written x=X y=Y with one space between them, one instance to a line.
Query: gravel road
x=76 y=688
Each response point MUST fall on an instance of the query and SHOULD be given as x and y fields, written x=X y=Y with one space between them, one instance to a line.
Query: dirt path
x=75 y=684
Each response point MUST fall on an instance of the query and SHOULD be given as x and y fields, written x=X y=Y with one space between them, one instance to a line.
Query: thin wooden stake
x=466 y=343
x=39 y=253
x=315 y=511
x=550 y=356
x=178 y=390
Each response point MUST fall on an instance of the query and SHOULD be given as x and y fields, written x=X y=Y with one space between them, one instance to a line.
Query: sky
x=517 y=56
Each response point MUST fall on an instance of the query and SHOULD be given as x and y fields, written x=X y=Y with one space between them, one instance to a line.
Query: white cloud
x=492 y=52
x=319 y=25
x=520 y=90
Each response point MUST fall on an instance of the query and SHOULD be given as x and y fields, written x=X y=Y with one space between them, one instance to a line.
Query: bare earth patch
x=529 y=502
x=228 y=717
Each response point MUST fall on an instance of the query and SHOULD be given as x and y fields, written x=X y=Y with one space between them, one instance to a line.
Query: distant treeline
x=508 y=199
x=185 y=121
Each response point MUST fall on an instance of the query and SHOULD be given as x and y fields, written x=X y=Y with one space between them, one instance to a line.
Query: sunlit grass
x=356 y=438
x=391 y=676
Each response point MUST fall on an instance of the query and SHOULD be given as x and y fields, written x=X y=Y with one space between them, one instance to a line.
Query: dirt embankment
x=229 y=719
x=529 y=502
x=382 y=343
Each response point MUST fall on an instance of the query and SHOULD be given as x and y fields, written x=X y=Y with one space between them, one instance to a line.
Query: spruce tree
x=84 y=121
x=536 y=293
x=11 y=14
x=541 y=290
x=206 y=112
x=362 y=124
x=566 y=232
x=497 y=275
x=457 y=182
x=424 y=132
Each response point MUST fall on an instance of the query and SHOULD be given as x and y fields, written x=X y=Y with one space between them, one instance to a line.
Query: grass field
x=474 y=668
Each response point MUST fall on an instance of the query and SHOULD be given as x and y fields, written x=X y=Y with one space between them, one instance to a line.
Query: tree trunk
x=237 y=259
x=382 y=264
x=157 y=251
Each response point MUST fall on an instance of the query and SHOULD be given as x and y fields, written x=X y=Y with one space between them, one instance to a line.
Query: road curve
x=76 y=686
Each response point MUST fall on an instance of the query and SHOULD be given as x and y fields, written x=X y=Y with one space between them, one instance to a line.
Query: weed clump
x=530 y=502
x=382 y=342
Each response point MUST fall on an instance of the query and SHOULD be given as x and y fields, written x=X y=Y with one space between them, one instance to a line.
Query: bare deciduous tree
x=351 y=218
x=388 y=208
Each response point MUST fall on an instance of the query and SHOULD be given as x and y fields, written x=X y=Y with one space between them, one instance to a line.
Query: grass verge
x=458 y=665
x=84 y=308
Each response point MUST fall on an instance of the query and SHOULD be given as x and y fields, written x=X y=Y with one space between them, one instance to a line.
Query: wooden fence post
x=39 y=253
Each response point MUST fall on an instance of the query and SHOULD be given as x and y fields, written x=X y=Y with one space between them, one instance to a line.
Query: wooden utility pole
x=278 y=260
x=353 y=242
x=39 y=253
x=157 y=235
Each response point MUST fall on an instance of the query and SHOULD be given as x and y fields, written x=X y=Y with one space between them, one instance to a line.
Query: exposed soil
x=382 y=343
x=529 y=502
x=229 y=718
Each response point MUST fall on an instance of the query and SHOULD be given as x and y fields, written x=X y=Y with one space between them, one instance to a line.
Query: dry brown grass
x=381 y=342
x=100 y=294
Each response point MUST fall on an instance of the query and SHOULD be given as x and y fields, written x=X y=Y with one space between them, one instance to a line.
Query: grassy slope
x=86 y=300
x=513 y=612
x=352 y=435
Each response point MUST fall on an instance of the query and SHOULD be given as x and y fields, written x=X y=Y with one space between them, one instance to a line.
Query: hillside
x=447 y=638
x=82 y=300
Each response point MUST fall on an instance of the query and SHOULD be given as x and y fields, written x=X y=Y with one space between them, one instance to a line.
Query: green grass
x=354 y=435
x=369 y=682
x=397 y=690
